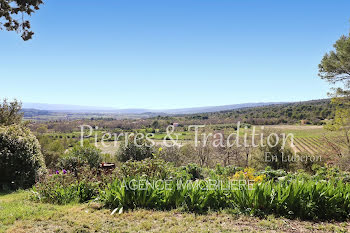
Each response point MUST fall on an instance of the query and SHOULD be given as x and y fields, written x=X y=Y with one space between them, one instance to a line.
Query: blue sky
x=172 y=54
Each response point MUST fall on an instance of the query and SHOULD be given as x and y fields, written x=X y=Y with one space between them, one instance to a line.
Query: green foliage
x=292 y=199
x=10 y=9
x=155 y=124
x=329 y=173
x=155 y=184
x=80 y=156
x=335 y=65
x=194 y=171
x=275 y=154
x=52 y=149
x=335 y=68
x=42 y=129
x=21 y=161
x=153 y=168
x=226 y=171
x=314 y=112
x=297 y=198
x=341 y=122
x=134 y=150
x=71 y=163
x=10 y=112
x=64 y=188
x=88 y=154
x=193 y=196
x=107 y=158
x=271 y=174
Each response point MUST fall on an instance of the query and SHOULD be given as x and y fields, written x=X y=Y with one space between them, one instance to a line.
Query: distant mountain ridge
x=92 y=109
x=218 y=108
x=63 y=107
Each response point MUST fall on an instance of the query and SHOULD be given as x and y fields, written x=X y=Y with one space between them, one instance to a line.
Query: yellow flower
x=160 y=149
x=247 y=174
x=259 y=179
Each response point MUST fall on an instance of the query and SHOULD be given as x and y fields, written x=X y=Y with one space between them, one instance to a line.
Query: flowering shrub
x=248 y=175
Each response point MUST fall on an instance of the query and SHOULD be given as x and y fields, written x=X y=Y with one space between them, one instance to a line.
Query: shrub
x=10 y=112
x=152 y=168
x=248 y=174
x=51 y=149
x=107 y=158
x=70 y=163
x=194 y=171
x=328 y=173
x=88 y=154
x=134 y=150
x=275 y=154
x=21 y=160
x=307 y=163
x=226 y=170
x=273 y=174
x=64 y=187
x=80 y=156
x=173 y=154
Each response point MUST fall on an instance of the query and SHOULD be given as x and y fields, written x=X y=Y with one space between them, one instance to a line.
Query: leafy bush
x=10 y=112
x=63 y=188
x=327 y=173
x=152 y=168
x=273 y=174
x=226 y=170
x=80 y=156
x=53 y=149
x=194 y=171
x=174 y=155
x=134 y=150
x=88 y=154
x=275 y=154
x=21 y=161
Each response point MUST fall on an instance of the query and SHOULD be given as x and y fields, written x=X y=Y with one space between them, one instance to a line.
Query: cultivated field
x=311 y=139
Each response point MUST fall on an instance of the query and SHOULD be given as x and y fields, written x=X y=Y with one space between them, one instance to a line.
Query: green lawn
x=19 y=214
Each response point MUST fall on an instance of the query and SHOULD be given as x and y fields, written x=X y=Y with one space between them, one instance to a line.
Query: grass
x=19 y=214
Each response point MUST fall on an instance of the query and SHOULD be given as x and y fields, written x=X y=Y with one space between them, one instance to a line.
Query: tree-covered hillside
x=308 y=112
